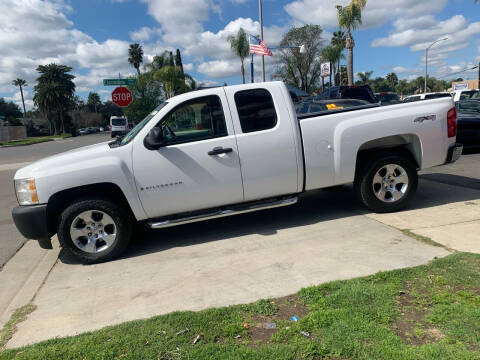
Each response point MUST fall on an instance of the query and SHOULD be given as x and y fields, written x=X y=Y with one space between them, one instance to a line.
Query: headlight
x=26 y=191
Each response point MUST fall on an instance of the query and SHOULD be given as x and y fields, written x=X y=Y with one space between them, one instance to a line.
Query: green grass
x=423 y=239
x=436 y=305
x=10 y=327
x=34 y=140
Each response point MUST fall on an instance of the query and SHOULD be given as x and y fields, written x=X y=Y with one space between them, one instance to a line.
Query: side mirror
x=154 y=139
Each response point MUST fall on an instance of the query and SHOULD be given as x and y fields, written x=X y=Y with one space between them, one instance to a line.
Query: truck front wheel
x=94 y=230
x=387 y=183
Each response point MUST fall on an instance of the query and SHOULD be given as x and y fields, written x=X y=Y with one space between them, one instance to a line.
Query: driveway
x=273 y=253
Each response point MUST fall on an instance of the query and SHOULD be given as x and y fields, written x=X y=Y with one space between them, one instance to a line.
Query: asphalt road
x=13 y=158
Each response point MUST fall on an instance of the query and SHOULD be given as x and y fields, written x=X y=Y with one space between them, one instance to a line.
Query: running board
x=239 y=209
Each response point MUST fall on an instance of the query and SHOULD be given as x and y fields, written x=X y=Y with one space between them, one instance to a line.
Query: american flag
x=258 y=47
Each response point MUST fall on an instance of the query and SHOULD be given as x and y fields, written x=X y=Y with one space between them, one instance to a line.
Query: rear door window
x=255 y=110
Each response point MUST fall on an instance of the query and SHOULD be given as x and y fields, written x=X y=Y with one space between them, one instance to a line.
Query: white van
x=118 y=125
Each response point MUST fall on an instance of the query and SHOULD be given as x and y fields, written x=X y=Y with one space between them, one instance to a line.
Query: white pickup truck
x=226 y=151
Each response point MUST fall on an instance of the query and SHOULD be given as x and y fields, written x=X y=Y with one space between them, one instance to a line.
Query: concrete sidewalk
x=222 y=262
x=327 y=236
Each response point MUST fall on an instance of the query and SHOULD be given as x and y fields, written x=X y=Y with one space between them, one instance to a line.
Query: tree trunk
x=350 y=44
x=243 y=71
x=62 y=125
x=23 y=101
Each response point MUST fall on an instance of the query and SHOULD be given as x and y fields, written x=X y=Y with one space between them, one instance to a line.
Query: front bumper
x=454 y=153
x=32 y=221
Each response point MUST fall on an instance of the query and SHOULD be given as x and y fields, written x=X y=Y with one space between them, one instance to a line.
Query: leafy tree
x=54 y=93
x=302 y=70
x=108 y=109
x=135 y=56
x=392 y=79
x=9 y=109
x=21 y=83
x=93 y=101
x=349 y=18
x=178 y=60
x=241 y=48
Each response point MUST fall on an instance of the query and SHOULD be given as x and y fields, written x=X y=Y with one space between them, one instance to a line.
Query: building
x=466 y=84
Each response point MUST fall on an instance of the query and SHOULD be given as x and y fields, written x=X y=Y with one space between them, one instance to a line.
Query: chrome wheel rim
x=390 y=183
x=93 y=231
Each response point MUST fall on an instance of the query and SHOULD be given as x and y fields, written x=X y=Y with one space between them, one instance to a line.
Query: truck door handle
x=220 y=150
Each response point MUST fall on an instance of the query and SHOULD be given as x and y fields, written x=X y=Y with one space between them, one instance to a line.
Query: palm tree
x=20 y=82
x=54 y=93
x=173 y=80
x=332 y=54
x=365 y=77
x=240 y=47
x=392 y=79
x=349 y=18
x=338 y=39
x=135 y=56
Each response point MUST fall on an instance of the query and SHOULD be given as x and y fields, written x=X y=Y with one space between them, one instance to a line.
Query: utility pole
x=261 y=36
x=426 y=60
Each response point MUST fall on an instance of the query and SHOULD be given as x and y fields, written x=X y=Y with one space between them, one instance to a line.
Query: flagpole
x=261 y=36
x=251 y=69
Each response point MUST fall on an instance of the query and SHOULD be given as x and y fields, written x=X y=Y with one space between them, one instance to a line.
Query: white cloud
x=377 y=12
x=37 y=32
x=188 y=67
x=218 y=68
x=179 y=19
x=144 y=33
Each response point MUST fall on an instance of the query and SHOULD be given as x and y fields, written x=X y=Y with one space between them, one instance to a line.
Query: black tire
x=364 y=187
x=120 y=216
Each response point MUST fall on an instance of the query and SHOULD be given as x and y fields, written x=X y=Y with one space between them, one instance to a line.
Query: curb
x=32 y=277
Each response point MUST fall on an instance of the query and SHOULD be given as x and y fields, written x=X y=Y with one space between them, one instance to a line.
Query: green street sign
x=108 y=82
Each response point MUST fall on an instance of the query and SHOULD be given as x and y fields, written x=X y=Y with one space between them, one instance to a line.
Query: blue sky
x=93 y=36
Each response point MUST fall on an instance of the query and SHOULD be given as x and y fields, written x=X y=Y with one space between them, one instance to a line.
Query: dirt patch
x=411 y=327
x=260 y=330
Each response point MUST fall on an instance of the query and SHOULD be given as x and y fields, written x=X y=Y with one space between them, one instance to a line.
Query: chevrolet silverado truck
x=226 y=151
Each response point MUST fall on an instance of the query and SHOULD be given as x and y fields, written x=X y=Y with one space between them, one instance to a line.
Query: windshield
x=388 y=97
x=469 y=107
x=129 y=137
x=465 y=95
x=118 y=121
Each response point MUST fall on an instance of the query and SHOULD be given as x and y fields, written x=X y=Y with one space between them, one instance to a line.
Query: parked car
x=469 y=123
x=362 y=92
x=83 y=131
x=427 y=96
x=181 y=164
x=464 y=94
x=315 y=106
x=101 y=129
x=387 y=98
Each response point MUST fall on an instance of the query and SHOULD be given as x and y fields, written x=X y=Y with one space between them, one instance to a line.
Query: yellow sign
x=334 y=107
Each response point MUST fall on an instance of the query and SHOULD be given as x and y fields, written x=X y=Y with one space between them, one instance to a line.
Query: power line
x=458 y=72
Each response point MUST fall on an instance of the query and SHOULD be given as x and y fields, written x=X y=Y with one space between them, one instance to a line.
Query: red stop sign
x=121 y=96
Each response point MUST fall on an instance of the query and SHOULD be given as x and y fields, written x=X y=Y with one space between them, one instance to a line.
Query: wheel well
x=365 y=155
x=62 y=199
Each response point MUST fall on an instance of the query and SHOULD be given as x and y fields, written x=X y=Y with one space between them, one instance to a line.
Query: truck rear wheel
x=387 y=183
x=94 y=230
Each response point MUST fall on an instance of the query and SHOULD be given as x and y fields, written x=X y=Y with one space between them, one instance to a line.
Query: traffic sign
x=131 y=82
x=121 y=96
